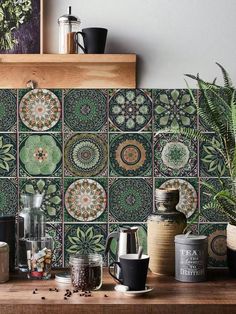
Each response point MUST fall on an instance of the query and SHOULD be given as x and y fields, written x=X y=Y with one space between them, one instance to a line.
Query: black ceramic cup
x=7 y=234
x=94 y=40
x=134 y=271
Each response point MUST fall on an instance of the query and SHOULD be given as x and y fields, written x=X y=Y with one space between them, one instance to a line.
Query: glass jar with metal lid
x=86 y=271
x=68 y=26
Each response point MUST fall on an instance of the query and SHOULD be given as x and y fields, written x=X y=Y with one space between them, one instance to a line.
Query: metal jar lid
x=4 y=247
x=190 y=239
x=68 y=18
x=63 y=277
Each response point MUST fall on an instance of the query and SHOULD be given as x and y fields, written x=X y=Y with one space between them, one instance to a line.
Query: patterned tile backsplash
x=97 y=150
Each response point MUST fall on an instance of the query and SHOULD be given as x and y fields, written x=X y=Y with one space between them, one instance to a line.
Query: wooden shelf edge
x=59 y=58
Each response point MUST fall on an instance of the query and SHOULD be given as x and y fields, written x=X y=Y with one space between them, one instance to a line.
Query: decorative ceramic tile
x=8 y=105
x=211 y=214
x=55 y=231
x=188 y=203
x=86 y=155
x=85 y=200
x=8 y=155
x=131 y=154
x=174 y=108
x=40 y=110
x=84 y=238
x=8 y=197
x=130 y=200
x=142 y=237
x=130 y=110
x=85 y=110
x=212 y=163
x=52 y=201
x=192 y=228
x=175 y=156
x=217 y=249
x=40 y=155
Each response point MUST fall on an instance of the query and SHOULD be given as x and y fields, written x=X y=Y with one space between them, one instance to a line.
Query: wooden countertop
x=217 y=295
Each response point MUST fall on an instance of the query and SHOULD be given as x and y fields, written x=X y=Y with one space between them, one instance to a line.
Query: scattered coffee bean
x=105 y=296
x=50 y=289
x=34 y=292
x=65 y=298
x=36 y=289
x=43 y=298
x=56 y=290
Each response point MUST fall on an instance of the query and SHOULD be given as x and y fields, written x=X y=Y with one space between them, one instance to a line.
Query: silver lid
x=63 y=278
x=190 y=239
x=68 y=18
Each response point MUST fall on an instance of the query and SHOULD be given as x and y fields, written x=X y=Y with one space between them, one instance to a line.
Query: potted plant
x=219 y=112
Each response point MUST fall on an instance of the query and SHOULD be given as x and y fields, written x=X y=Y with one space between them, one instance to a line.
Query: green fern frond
x=188 y=132
x=226 y=195
x=227 y=80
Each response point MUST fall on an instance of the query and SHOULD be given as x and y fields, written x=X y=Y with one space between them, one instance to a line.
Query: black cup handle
x=77 y=42
x=112 y=275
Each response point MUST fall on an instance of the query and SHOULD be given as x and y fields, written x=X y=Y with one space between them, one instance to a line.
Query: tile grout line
x=63 y=178
x=17 y=173
x=108 y=170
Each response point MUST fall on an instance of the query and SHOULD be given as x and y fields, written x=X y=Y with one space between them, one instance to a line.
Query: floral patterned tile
x=217 y=250
x=40 y=155
x=174 y=108
x=84 y=238
x=8 y=155
x=130 y=110
x=85 y=200
x=86 y=155
x=212 y=163
x=175 y=156
x=85 y=110
x=188 y=188
x=8 y=197
x=40 y=110
x=212 y=214
x=52 y=189
x=131 y=154
x=130 y=200
x=8 y=110
x=141 y=237
x=55 y=231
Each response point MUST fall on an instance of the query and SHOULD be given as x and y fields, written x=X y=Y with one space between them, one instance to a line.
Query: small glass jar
x=86 y=271
x=4 y=262
x=39 y=257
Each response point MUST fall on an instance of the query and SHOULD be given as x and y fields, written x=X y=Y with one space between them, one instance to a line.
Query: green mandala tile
x=8 y=105
x=211 y=213
x=130 y=200
x=175 y=156
x=52 y=201
x=86 y=155
x=40 y=155
x=85 y=200
x=141 y=236
x=40 y=110
x=85 y=110
x=188 y=188
x=130 y=110
x=212 y=163
x=217 y=250
x=130 y=155
x=84 y=239
x=174 y=108
x=8 y=197
x=55 y=231
x=7 y=155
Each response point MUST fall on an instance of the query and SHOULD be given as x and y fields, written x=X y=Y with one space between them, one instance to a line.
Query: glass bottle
x=31 y=224
x=68 y=26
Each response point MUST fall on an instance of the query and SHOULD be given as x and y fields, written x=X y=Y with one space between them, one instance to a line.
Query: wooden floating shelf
x=68 y=71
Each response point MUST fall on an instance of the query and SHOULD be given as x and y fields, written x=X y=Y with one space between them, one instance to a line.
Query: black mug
x=8 y=235
x=134 y=271
x=94 y=40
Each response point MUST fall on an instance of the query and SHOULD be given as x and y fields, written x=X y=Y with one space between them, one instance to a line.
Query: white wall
x=171 y=37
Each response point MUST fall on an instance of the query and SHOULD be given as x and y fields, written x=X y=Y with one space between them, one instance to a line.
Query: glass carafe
x=31 y=224
x=68 y=27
